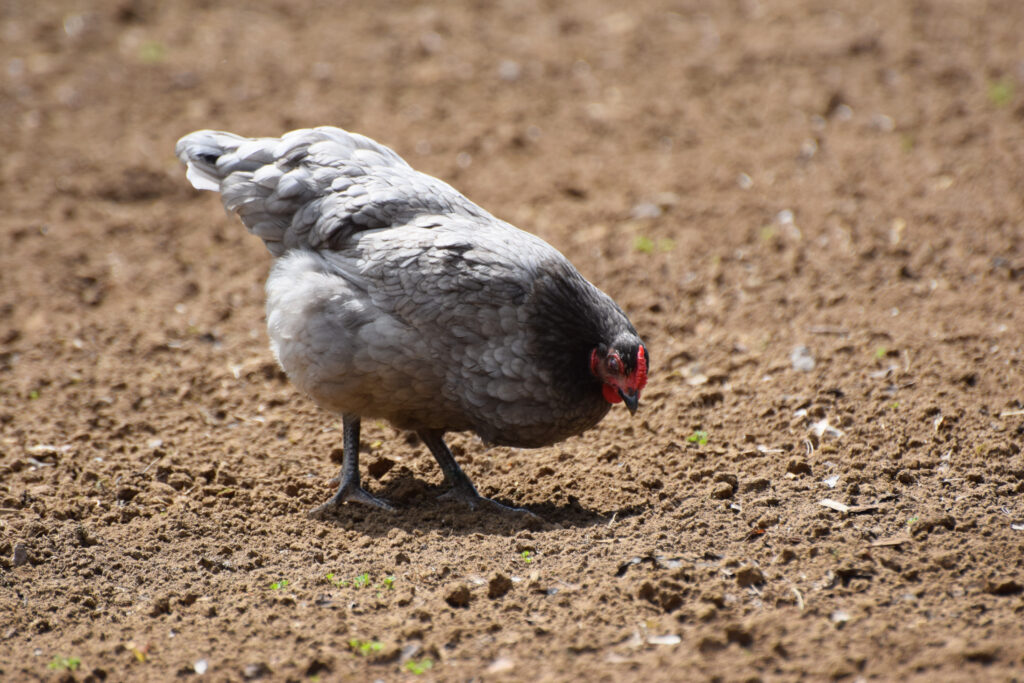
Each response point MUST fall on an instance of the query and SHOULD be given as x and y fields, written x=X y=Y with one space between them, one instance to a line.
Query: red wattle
x=611 y=394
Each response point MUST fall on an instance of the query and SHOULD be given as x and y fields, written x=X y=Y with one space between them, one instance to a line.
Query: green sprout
x=699 y=437
x=61 y=663
x=152 y=52
x=33 y=395
x=912 y=520
x=420 y=667
x=1000 y=93
x=646 y=245
x=643 y=244
x=881 y=352
x=361 y=581
x=278 y=585
x=525 y=555
x=894 y=405
x=364 y=648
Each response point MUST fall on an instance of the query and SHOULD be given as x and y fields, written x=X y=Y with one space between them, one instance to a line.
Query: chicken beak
x=631 y=399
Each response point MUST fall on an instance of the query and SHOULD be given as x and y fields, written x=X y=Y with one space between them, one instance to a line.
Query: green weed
x=1000 y=93
x=420 y=667
x=152 y=52
x=364 y=648
x=699 y=437
x=61 y=663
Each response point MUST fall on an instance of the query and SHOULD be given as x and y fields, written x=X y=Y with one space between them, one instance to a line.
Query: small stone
x=509 y=70
x=458 y=595
x=254 y=671
x=645 y=210
x=802 y=359
x=409 y=651
x=501 y=665
x=20 y=555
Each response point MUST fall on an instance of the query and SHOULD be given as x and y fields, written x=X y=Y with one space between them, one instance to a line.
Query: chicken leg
x=349 y=487
x=462 y=489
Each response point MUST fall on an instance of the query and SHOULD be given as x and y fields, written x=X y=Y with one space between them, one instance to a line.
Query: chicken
x=393 y=296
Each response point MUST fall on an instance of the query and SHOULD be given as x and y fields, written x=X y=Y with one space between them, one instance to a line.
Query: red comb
x=640 y=378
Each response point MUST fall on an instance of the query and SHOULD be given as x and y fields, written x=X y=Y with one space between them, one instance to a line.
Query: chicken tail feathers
x=314 y=188
x=211 y=156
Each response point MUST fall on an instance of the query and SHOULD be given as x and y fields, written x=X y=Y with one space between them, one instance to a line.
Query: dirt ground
x=811 y=210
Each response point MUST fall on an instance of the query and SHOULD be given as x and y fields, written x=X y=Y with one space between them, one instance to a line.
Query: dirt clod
x=1004 y=587
x=379 y=467
x=498 y=586
x=722 y=490
x=458 y=595
x=749 y=576
x=798 y=467
x=739 y=634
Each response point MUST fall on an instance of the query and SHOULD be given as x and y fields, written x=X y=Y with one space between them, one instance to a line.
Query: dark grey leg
x=349 y=488
x=462 y=489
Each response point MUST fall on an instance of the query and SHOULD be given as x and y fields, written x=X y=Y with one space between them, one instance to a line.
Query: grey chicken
x=393 y=296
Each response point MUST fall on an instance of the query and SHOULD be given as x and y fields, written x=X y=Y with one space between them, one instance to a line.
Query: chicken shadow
x=417 y=507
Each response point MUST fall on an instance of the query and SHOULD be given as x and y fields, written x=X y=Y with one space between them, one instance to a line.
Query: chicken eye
x=614 y=365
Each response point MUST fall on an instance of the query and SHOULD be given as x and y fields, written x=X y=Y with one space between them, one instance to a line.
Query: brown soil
x=744 y=177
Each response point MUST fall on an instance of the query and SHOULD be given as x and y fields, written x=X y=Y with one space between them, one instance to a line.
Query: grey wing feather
x=315 y=188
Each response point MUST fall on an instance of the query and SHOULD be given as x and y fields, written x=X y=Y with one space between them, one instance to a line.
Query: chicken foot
x=349 y=488
x=462 y=489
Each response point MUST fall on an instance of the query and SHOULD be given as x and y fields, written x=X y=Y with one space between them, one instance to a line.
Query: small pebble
x=802 y=359
x=20 y=555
